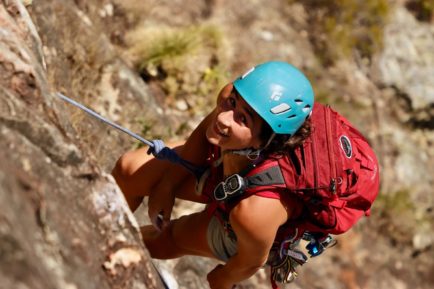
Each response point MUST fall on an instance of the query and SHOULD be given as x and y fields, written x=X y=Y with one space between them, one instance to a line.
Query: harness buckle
x=317 y=244
x=232 y=186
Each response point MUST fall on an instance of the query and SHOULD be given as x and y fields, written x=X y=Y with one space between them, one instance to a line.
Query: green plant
x=187 y=62
x=168 y=45
x=165 y=47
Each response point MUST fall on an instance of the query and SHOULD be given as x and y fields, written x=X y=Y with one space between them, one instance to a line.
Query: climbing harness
x=156 y=147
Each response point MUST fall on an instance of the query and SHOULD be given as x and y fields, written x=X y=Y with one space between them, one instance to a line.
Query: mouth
x=220 y=131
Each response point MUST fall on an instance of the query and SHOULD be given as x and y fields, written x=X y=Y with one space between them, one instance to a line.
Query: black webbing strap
x=270 y=176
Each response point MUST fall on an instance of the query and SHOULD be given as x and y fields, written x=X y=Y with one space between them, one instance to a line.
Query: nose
x=225 y=118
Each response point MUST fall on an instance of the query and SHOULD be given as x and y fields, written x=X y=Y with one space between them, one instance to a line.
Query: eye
x=232 y=102
x=243 y=119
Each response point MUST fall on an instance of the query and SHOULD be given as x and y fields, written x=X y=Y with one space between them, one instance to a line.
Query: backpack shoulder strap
x=264 y=176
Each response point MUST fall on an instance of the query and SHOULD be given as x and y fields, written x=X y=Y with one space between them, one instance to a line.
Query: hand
x=217 y=280
x=160 y=206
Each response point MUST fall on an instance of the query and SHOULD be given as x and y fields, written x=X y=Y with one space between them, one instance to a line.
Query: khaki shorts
x=219 y=241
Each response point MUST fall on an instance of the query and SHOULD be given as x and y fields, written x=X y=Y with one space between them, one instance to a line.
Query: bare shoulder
x=258 y=214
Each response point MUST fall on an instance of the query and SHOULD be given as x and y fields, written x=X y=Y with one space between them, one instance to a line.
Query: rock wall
x=63 y=221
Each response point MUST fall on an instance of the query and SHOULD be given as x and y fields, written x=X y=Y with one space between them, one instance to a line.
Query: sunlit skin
x=234 y=125
x=255 y=220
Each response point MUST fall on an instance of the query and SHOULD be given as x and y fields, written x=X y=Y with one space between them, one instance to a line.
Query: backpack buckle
x=232 y=186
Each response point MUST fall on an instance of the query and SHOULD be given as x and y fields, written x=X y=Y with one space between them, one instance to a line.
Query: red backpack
x=334 y=173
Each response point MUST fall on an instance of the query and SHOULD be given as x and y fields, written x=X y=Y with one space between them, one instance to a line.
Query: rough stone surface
x=62 y=218
x=407 y=61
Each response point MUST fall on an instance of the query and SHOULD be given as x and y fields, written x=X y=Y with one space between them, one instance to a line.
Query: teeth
x=221 y=131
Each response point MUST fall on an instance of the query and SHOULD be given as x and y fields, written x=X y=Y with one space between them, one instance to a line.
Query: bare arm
x=140 y=175
x=255 y=221
x=176 y=181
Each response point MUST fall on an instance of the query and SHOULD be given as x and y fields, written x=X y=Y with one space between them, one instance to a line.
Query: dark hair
x=282 y=143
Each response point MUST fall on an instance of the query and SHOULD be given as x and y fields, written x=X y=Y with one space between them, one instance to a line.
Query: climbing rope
x=156 y=147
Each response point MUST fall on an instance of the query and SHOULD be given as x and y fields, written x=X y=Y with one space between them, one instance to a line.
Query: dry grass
x=189 y=63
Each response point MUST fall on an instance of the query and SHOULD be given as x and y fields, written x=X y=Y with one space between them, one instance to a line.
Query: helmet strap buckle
x=251 y=154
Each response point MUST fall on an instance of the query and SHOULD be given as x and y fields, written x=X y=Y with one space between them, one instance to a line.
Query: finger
x=160 y=221
x=165 y=220
x=155 y=220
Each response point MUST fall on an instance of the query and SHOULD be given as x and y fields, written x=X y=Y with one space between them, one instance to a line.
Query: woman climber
x=261 y=192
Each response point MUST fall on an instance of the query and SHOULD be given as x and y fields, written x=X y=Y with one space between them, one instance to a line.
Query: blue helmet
x=280 y=93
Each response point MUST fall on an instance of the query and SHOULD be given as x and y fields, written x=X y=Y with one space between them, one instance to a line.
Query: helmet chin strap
x=252 y=153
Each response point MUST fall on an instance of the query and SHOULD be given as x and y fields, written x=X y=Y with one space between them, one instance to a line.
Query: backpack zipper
x=315 y=164
x=330 y=150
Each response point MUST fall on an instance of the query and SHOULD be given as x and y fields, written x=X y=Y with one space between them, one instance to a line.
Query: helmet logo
x=277 y=92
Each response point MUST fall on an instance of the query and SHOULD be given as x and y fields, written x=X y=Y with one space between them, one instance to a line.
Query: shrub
x=188 y=62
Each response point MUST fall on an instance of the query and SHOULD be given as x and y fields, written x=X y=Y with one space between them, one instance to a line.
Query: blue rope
x=156 y=147
x=162 y=152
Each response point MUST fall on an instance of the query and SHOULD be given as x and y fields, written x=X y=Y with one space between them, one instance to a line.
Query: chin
x=212 y=138
x=213 y=141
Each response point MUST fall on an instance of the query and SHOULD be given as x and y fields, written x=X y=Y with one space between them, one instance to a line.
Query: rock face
x=406 y=61
x=405 y=67
x=59 y=210
x=63 y=220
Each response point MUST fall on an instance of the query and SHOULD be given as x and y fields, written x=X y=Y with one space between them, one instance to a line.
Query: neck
x=233 y=164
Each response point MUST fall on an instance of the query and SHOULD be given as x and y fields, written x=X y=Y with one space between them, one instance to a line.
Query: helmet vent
x=281 y=108
x=292 y=116
x=307 y=108
x=298 y=101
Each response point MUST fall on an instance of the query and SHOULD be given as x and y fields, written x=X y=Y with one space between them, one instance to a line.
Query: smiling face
x=235 y=124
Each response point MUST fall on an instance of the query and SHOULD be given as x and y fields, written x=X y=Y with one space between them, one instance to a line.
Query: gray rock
x=407 y=61
x=59 y=211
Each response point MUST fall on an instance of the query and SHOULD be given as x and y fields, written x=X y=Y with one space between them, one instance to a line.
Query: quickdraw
x=284 y=259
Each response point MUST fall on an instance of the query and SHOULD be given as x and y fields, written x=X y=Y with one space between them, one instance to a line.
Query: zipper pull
x=333 y=186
